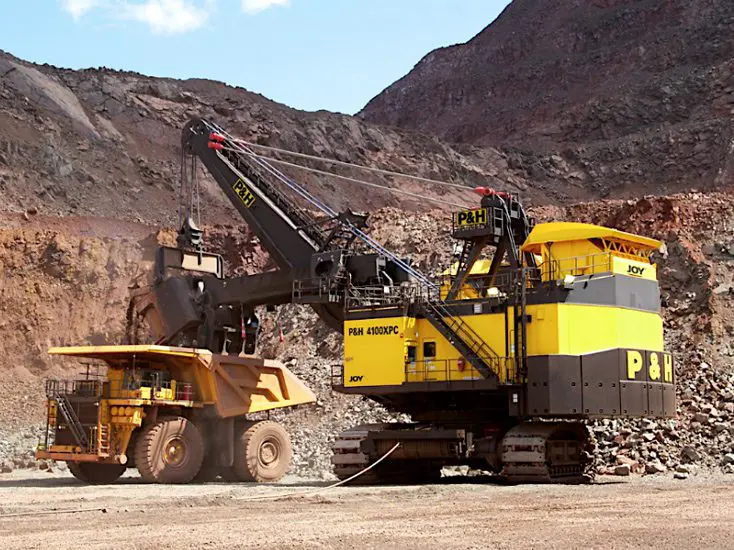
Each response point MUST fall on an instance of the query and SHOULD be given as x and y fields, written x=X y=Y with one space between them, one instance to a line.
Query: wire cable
x=251 y=499
x=54 y=512
x=301 y=191
x=352 y=165
x=324 y=489
x=358 y=181
x=320 y=205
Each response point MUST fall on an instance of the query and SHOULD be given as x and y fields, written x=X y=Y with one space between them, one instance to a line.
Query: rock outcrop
x=107 y=143
x=609 y=97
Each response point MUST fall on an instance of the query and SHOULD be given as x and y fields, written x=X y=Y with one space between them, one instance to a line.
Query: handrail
x=554 y=269
x=117 y=389
x=460 y=327
x=456 y=370
x=359 y=297
x=72 y=420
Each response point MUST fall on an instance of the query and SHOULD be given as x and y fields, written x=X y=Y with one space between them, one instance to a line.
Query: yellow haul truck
x=175 y=414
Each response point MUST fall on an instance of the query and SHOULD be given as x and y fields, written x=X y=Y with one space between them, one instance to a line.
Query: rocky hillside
x=106 y=143
x=64 y=281
x=618 y=97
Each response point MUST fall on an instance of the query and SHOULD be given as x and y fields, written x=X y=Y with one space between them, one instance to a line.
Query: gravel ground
x=648 y=512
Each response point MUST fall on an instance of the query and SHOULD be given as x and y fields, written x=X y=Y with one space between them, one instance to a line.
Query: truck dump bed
x=233 y=385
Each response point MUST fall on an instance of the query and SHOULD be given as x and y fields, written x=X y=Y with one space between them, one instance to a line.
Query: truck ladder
x=72 y=420
x=103 y=439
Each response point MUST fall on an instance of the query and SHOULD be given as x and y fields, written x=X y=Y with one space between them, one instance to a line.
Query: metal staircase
x=474 y=349
x=72 y=420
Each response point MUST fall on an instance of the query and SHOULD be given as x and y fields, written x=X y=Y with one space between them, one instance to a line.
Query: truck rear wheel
x=92 y=472
x=262 y=452
x=170 y=451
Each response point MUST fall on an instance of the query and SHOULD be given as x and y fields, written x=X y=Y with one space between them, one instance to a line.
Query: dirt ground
x=40 y=510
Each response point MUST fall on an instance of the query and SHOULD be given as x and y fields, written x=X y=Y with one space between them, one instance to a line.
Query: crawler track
x=408 y=466
x=540 y=452
x=532 y=452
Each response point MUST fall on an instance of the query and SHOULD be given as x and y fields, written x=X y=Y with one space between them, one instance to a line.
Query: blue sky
x=309 y=54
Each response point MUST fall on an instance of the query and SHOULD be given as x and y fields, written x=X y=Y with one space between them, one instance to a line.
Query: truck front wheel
x=92 y=472
x=170 y=451
x=262 y=452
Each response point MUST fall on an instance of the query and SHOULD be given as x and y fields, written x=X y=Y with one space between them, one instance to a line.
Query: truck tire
x=170 y=451
x=262 y=452
x=94 y=473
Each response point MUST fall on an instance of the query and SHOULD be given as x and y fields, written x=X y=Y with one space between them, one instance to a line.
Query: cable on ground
x=251 y=499
x=324 y=489
x=53 y=512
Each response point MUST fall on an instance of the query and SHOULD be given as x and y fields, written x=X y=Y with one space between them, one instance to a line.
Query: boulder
x=655 y=468
x=690 y=453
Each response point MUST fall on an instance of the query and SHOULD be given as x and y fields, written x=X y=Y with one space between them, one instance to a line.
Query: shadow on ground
x=69 y=481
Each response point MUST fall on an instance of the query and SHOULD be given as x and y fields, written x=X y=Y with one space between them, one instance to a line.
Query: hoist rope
x=301 y=191
x=352 y=165
x=355 y=180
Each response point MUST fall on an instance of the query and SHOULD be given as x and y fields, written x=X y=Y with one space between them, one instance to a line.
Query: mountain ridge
x=626 y=96
x=72 y=138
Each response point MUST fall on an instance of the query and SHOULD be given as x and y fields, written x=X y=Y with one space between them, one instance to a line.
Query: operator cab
x=580 y=250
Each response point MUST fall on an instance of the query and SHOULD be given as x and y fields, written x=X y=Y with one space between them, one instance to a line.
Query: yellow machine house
x=568 y=326
x=615 y=290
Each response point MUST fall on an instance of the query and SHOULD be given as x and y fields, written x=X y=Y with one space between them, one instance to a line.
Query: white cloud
x=168 y=16
x=162 y=16
x=77 y=8
x=256 y=6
